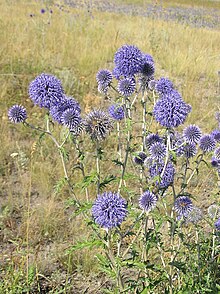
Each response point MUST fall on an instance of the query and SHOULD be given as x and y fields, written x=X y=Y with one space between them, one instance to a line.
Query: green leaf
x=85 y=244
x=107 y=180
x=180 y=265
x=59 y=185
x=117 y=162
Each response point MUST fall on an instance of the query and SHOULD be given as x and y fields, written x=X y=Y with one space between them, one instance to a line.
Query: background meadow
x=73 y=41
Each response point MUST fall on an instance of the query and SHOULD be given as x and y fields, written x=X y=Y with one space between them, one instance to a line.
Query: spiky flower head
x=71 y=118
x=46 y=90
x=77 y=129
x=164 y=86
x=207 y=143
x=156 y=169
x=109 y=210
x=217 y=153
x=189 y=150
x=98 y=124
x=66 y=103
x=158 y=150
x=192 y=134
x=151 y=139
x=116 y=111
x=195 y=215
x=216 y=135
x=148 y=67
x=17 y=114
x=104 y=77
x=128 y=61
x=126 y=87
x=214 y=211
x=215 y=162
x=170 y=110
x=217 y=225
x=183 y=205
x=147 y=201
x=140 y=158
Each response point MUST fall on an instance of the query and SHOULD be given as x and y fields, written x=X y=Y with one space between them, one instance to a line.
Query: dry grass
x=74 y=46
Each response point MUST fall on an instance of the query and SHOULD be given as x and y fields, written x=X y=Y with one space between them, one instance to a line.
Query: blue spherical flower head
x=156 y=169
x=66 y=103
x=207 y=143
x=148 y=67
x=42 y=10
x=183 y=205
x=140 y=158
x=46 y=91
x=151 y=139
x=126 y=87
x=109 y=210
x=217 y=153
x=71 y=118
x=171 y=111
x=104 y=77
x=158 y=151
x=128 y=61
x=216 y=135
x=17 y=114
x=215 y=162
x=217 y=225
x=192 y=134
x=98 y=124
x=147 y=201
x=116 y=111
x=189 y=150
x=164 y=86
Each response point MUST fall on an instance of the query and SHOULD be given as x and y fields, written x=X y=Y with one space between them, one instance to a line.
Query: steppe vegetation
x=42 y=235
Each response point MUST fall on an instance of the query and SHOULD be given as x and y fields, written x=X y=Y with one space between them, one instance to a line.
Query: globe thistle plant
x=156 y=169
x=71 y=118
x=217 y=225
x=148 y=67
x=148 y=201
x=189 y=150
x=98 y=124
x=126 y=87
x=171 y=111
x=192 y=134
x=207 y=143
x=164 y=86
x=151 y=139
x=216 y=135
x=217 y=153
x=158 y=150
x=46 y=90
x=140 y=158
x=66 y=103
x=215 y=162
x=128 y=61
x=104 y=77
x=183 y=206
x=116 y=111
x=109 y=210
x=17 y=114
